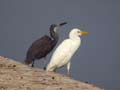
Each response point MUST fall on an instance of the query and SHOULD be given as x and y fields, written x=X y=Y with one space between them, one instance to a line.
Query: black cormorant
x=43 y=46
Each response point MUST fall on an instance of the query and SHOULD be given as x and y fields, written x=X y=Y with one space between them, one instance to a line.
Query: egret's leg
x=68 y=69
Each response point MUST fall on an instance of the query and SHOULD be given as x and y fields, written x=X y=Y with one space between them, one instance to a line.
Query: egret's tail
x=51 y=68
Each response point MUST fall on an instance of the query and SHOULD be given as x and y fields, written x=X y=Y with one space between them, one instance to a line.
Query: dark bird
x=43 y=46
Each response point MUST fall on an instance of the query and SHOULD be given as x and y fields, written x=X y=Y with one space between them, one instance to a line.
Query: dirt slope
x=17 y=76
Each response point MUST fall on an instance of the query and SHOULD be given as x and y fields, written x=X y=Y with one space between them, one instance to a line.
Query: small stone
x=53 y=77
x=14 y=65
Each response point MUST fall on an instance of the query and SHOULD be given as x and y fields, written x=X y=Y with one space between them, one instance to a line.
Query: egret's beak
x=61 y=24
x=84 y=33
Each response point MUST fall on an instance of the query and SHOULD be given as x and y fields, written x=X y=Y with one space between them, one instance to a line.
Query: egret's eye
x=78 y=31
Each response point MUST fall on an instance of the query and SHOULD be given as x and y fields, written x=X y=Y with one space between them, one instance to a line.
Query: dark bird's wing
x=40 y=48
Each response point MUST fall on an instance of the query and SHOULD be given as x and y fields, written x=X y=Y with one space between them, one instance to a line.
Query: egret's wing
x=60 y=54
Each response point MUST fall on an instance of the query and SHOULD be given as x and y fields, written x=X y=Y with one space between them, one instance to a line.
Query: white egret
x=65 y=51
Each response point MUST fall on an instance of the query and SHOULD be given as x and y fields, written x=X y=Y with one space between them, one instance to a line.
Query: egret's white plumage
x=65 y=51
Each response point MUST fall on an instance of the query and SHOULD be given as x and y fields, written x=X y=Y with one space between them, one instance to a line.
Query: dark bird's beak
x=61 y=24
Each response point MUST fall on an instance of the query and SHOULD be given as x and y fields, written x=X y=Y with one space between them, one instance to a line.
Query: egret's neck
x=76 y=41
x=74 y=37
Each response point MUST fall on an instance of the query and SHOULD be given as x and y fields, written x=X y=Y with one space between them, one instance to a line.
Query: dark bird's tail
x=29 y=62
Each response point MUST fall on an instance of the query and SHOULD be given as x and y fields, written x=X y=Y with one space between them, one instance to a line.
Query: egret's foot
x=69 y=75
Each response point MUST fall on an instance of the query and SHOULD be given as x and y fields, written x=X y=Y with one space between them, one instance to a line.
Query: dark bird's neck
x=55 y=39
x=54 y=36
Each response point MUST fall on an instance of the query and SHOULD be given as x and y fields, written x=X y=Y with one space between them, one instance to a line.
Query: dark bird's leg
x=33 y=63
x=44 y=68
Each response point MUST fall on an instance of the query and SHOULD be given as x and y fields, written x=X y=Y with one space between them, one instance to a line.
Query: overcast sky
x=98 y=59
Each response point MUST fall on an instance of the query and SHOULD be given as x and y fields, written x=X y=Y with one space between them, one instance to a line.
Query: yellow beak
x=84 y=33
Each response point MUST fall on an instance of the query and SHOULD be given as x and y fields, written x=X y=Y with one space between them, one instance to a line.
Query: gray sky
x=97 y=60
